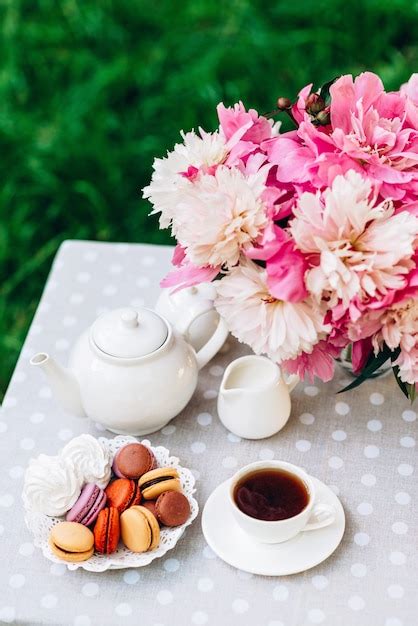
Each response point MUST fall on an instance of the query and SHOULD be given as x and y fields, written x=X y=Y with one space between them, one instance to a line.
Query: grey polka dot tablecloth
x=361 y=443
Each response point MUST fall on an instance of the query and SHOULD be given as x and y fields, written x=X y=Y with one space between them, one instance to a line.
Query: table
x=362 y=443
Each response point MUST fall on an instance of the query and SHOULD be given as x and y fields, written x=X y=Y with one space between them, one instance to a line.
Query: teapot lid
x=129 y=333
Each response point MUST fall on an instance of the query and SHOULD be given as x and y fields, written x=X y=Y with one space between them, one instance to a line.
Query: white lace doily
x=40 y=525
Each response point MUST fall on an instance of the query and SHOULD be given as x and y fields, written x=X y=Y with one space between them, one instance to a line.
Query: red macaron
x=107 y=531
x=133 y=460
x=123 y=493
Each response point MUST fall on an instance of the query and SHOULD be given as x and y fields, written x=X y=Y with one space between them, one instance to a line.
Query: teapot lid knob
x=129 y=318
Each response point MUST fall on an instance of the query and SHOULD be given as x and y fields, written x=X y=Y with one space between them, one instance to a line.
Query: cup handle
x=291 y=381
x=322 y=515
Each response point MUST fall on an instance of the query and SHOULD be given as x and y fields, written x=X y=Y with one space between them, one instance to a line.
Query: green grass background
x=92 y=90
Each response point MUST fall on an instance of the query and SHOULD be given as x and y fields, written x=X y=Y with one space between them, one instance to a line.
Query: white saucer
x=236 y=548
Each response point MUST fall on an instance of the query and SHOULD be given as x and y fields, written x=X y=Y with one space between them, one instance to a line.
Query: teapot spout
x=63 y=383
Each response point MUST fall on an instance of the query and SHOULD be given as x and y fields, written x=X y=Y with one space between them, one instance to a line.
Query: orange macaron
x=107 y=531
x=123 y=493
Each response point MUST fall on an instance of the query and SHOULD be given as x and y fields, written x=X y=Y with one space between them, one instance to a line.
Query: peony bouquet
x=312 y=233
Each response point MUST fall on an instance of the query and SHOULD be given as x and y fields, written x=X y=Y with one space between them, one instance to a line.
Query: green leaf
x=324 y=93
x=402 y=386
x=371 y=366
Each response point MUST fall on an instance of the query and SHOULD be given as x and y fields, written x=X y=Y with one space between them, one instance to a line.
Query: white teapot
x=130 y=371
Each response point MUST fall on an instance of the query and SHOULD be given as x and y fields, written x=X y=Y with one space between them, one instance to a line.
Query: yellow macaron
x=71 y=542
x=140 y=530
x=155 y=482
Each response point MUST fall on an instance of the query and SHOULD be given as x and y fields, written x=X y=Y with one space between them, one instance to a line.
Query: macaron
x=71 y=542
x=150 y=505
x=139 y=529
x=88 y=506
x=157 y=481
x=133 y=460
x=107 y=530
x=172 y=508
x=123 y=493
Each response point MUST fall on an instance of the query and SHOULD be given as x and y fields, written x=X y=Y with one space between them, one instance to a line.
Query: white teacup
x=315 y=514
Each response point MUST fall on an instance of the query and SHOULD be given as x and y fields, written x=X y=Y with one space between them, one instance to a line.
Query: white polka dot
x=316 y=616
x=403 y=498
x=396 y=592
x=365 y=508
x=376 y=398
x=76 y=298
x=205 y=584
x=374 y=425
x=148 y=261
x=62 y=344
x=361 y=539
x=16 y=472
x=339 y=435
x=3 y=427
x=397 y=558
x=143 y=281
x=116 y=268
x=266 y=454
x=229 y=462
x=335 y=462
x=198 y=447
x=131 y=577
x=320 y=582
x=123 y=609
x=281 y=593
x=19 y=377
x=90 y=590
x=307 y=419
x=393 y=621
x=168 y=430
x=244 y=575
x=407 y=442
x=45 y=392
x=65 y=434
x=171 y=565
x=1 y=529
x=216 y=370
x=9 y=402
x=90 y=256
x=303 y=445
x=49 y=601
x=275 y=622
x=371 y=452
x=83 y=277
x=26 y=549
x=409 y=416
x=400 y=528
x=82 y=620
x=359 y=570
x=342 y=408
x=208 y=553
x=7 y=614
x=311 y=390
x=204 y=419
x=16 y=581
x=404 y=469
x=356 y=603
x=240 y=606
x=369 y=480
x=164 y=597
x=58 y=569
x=199 y=618
x=27 y=443
x=69 y=320
x=233 y=438
x=210 y=394
x=110 y=290
x=6 y=500
x=37 y=418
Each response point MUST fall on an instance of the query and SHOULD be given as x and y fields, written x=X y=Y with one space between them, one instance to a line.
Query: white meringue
x=51 y=485
x=91 y=460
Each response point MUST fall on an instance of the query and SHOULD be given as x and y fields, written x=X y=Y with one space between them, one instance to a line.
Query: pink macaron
x=88 y=506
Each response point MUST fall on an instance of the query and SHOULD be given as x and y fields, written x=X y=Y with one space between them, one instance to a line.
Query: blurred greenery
x=91 y=91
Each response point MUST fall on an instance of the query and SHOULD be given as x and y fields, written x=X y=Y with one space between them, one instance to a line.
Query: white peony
x=281 y=330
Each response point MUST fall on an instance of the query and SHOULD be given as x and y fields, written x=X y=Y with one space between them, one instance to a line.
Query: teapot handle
x=215 y=342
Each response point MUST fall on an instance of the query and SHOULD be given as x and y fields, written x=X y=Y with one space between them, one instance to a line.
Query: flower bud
x=283 y=104
x=323 y=118
x=314 y=103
